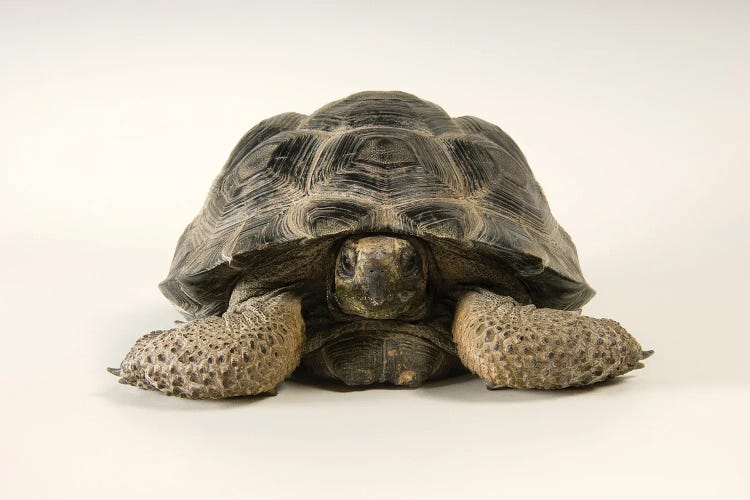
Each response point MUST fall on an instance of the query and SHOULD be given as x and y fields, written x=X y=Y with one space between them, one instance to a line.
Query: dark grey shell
x=374 y=162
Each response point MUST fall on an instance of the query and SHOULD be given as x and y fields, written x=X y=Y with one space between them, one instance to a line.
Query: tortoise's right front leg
x=248 y=350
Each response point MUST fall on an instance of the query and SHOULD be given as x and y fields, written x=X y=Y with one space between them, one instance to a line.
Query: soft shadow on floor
x=133 y=397
x=463 y=388
x=313 y=384
x=459 y=389
x=470 y=389
x=334 y=386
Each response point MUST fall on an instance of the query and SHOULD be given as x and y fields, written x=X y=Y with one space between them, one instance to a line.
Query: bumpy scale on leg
x=511 y=345
x=248 y=350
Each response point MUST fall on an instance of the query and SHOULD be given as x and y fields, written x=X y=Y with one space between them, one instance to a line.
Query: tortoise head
x=381 y=277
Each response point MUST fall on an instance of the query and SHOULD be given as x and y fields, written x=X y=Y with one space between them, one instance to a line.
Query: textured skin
x=249 y=350
x=374 y=162
x=511 y=345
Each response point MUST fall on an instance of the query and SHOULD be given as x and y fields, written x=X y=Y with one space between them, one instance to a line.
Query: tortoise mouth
x=380 y=329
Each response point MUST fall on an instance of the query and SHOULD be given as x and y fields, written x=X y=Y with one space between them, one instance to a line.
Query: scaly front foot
x=520 y=346
x=248 y=350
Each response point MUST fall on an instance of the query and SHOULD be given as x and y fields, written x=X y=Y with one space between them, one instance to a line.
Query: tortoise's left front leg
x=520 y=346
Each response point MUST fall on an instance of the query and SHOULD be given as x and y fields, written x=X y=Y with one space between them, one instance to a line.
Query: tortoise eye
x=411 y=264
x=346 y=266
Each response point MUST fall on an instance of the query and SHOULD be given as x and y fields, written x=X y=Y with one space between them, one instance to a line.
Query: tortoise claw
x=496 y=387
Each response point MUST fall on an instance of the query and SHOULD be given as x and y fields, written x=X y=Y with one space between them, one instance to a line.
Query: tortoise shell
x=374 y=162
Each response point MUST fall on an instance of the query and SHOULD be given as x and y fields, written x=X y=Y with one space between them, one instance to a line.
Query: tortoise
x=376 y=241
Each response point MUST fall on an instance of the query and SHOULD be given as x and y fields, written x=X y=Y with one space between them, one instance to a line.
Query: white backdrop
x=117 y=117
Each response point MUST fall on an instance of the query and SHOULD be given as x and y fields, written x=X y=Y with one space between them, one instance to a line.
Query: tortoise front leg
x=520 y=346
x=248 y=350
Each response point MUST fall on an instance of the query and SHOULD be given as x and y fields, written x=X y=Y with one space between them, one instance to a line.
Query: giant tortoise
x=376 y=241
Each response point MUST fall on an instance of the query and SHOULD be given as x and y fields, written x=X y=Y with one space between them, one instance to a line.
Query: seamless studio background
x=117 y=117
